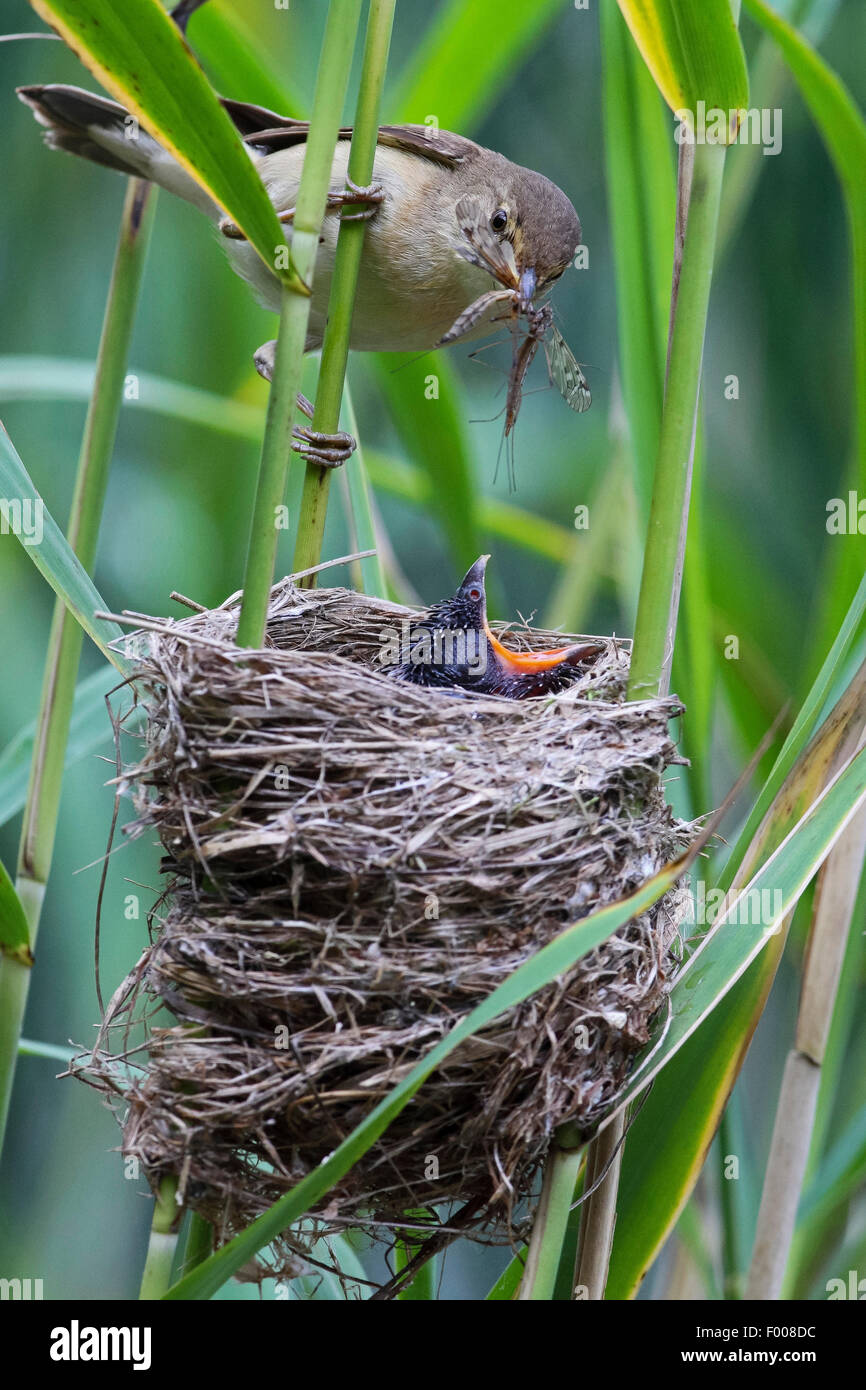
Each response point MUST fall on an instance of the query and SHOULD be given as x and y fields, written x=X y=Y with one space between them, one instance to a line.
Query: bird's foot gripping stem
x=327 y=450
x=354 y=194
x=350 y=196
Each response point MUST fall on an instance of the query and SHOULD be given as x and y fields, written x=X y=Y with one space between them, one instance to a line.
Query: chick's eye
x=475 y=594
x=499 y=220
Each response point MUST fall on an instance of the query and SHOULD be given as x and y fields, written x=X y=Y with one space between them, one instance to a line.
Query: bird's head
x=467 y=608
x=529 y=211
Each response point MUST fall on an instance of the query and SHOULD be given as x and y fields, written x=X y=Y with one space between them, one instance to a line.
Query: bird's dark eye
x=475 y=595
x=499 y=220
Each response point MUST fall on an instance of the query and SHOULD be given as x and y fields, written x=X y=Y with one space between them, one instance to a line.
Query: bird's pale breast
x=412 y=283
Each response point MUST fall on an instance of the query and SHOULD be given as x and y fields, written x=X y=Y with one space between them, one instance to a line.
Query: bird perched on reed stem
x=415 y=278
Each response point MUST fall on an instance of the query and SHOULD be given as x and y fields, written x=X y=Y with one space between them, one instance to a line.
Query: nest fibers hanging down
x=353 y=863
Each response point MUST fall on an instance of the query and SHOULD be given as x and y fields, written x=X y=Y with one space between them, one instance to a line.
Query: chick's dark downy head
x=448 y=645
x=466 y=609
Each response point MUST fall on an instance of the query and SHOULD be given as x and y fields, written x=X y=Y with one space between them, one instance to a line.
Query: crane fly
x=481 y=248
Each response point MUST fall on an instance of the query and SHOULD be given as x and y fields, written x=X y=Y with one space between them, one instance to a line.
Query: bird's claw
x=353 y=193
x=371 y=193
x=327 y=450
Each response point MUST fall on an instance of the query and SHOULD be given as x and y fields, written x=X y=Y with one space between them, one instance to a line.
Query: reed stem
x=350 y=245
x=331 y=83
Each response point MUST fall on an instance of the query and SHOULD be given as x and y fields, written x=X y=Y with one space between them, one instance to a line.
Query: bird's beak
x=528 y=285
x=475 y=573
x=522 y=662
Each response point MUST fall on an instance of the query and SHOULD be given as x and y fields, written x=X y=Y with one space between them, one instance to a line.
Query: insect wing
x=565 y=372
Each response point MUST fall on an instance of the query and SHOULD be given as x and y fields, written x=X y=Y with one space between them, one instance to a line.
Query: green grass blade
x=725 y=954
x=843 y=1033
x=801 y=732
x=55 y=559
x=28 y=1047
x=356 y=478
x=508 y=1283
x=670 y=1138
x=45 y=783
x=544 y=1252
x=739 y=1194
x=67 y=379
x=14 y=927
x=139 y=55
x=768 y=80
x=332 y=79
x=88 y=730
x=655 y=624
x=232 y=53
x=833 y=904
x=694 y=660
x=71 y=379
x=608 y=550
x=691 y=1231
x=341 y=301
x=841 y=1174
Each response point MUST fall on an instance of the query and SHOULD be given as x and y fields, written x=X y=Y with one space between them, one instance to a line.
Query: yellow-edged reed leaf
x=142 y=59
x=693 y=50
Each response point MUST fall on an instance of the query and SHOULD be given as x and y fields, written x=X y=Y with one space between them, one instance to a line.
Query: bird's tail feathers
x=105 y=133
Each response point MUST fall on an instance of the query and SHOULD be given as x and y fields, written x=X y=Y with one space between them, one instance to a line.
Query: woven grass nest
x=352 y=864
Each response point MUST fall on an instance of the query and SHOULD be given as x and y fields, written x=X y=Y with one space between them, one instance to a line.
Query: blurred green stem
x=732 y=1255
x=163 y=1242
x=370 y=575
x=350 y=244
x=551 y=1220
x=832 y=914
x=64 y=645
x=199 y=1242
x=422 y=1287
x=699 y=186
x=663 y=558
x=331 y=82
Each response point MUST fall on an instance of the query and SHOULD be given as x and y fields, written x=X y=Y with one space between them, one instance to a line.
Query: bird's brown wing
x=442 y=146
x=267 y=130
